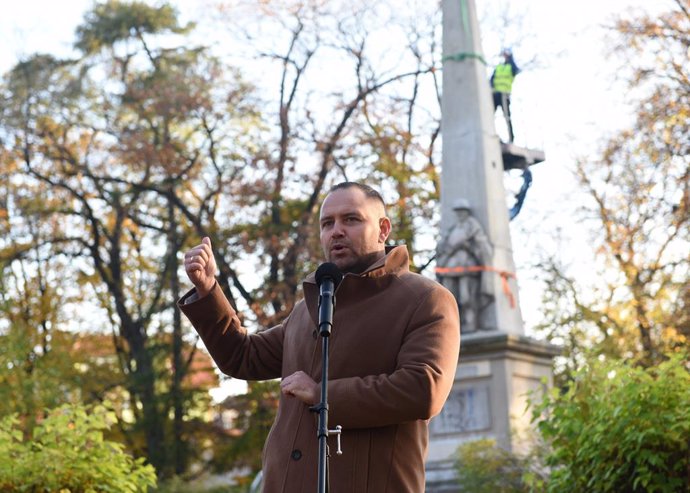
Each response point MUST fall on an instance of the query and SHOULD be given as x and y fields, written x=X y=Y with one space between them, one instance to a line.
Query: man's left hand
x=302 y=386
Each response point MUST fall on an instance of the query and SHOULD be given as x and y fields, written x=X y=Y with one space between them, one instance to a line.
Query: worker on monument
x=502 y=84
x=462 y=256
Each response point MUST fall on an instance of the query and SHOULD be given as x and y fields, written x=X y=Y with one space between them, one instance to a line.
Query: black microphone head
x=329 y=270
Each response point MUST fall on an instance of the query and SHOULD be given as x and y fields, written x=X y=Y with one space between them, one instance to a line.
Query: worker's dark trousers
x=502 y=100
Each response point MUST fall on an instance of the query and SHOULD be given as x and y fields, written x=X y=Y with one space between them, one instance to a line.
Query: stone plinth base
x=495 y=374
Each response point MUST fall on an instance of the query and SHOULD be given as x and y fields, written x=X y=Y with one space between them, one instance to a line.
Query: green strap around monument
x=459 y=57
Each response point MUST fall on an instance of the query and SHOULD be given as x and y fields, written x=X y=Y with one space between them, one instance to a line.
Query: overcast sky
x=565 y=107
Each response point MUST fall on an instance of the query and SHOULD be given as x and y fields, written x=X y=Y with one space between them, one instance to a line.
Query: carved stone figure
x=462 y=256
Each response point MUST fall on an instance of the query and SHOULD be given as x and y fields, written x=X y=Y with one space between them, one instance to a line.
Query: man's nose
x=338 y=230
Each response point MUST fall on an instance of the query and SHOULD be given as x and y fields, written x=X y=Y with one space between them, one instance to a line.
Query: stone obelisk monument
x=498 y=364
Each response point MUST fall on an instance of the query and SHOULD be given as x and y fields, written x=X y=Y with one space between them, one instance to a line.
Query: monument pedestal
x=488 y=400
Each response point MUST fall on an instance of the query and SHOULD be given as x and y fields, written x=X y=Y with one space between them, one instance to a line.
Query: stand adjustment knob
x=338 y=431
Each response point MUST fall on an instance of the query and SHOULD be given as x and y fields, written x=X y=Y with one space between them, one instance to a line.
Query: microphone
x=328 y=276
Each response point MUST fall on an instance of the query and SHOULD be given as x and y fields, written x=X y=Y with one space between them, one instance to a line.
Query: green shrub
x=619 y=427
x=66 y=452
x=484 y=467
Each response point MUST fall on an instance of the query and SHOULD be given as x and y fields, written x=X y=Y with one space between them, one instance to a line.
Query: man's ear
x=384 y=229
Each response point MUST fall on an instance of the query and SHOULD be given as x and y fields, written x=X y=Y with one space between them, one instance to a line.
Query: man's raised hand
x=200 y=266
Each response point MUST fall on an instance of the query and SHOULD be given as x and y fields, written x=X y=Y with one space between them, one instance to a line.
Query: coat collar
x=395 y=261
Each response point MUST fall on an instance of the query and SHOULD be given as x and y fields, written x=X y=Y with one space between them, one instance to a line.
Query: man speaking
x=394 y=349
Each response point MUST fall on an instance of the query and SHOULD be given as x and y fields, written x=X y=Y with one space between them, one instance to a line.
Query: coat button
x=296 y=454
x=314 y=335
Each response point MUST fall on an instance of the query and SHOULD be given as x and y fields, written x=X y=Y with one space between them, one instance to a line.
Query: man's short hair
x=366 y=189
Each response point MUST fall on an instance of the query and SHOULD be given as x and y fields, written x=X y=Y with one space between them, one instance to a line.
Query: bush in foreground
x=66 y=452
x=620 y=427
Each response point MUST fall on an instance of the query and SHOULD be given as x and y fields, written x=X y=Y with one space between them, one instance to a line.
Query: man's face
x=354 y=229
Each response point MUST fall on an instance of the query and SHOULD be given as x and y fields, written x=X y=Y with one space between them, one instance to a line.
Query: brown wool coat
x=393 y=353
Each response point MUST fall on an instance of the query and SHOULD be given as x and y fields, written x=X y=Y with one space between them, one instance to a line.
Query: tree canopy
x=638 y=209
x=116 y=160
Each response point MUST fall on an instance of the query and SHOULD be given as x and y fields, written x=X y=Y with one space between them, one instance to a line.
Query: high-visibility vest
x=503 y=78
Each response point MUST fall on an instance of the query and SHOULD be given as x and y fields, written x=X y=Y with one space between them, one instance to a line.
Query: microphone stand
x=325 y=325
